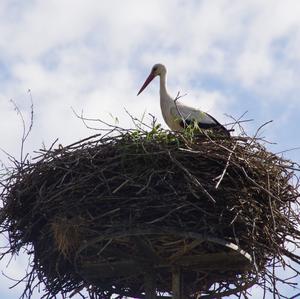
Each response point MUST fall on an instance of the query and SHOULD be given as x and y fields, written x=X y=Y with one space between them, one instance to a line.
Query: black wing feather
x=205 y=126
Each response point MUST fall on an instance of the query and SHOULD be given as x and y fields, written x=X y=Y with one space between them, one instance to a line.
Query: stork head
x=157 y=70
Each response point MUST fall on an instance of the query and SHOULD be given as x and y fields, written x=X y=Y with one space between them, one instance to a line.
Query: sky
x=228 y=56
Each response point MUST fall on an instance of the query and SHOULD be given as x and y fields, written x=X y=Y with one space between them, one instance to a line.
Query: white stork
x=176 y=115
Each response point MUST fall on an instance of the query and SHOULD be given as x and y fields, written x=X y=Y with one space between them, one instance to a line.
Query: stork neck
x=163 y=85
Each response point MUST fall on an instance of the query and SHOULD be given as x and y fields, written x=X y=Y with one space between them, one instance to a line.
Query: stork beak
x=148 y=80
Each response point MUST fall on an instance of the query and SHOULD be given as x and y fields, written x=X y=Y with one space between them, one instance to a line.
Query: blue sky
x=229 y=56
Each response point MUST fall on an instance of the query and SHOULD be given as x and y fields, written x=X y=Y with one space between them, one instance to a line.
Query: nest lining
x=106 y=210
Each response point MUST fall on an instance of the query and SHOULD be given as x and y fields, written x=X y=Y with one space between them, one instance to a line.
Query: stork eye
x=154 y=69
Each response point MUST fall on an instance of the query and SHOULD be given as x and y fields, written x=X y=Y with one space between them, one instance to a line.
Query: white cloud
x=232 y=39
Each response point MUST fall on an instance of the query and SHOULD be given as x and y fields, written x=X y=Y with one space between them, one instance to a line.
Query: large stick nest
x=105 y=212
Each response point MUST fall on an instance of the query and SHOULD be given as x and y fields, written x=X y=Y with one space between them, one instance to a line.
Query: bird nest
x=114 y=214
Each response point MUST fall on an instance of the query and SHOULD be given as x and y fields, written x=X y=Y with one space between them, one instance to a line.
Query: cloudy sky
x=229 y=56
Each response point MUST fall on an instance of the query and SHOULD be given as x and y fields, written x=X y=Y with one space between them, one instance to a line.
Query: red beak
x=148 y=80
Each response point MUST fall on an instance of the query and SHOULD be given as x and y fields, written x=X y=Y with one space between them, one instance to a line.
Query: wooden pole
x=177 y=283
x=150 y=285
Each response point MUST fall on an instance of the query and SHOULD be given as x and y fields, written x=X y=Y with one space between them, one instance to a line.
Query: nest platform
x=152 y=214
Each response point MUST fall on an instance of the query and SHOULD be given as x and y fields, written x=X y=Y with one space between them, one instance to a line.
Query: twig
x=25 y=131
x=194 y=179
x=226 y=166
x=178 y=96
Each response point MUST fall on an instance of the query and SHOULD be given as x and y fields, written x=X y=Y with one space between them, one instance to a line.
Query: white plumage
x=177 y=115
